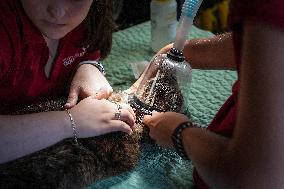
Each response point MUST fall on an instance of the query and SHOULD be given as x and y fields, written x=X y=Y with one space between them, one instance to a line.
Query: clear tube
x=182 y=32
x=189 y=10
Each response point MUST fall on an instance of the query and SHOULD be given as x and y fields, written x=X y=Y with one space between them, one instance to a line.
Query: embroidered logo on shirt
x=69 y=60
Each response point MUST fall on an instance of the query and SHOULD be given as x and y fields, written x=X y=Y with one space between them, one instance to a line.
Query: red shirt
x=24 y=53
x=270 y=12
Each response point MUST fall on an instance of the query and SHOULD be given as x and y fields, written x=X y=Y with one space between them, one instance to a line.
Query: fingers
x=72 y=98
x=86 y=91
x=128 y=107
x=131 y=90
x=76 y=92
x=123 y=119
x=125 y=116
x=124 y=106
x=117 y=125
x=165 y=49
x=103 y=93
x=149 y=119
x=134 y=87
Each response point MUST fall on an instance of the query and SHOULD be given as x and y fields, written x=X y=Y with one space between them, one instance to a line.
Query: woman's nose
x=57 y=9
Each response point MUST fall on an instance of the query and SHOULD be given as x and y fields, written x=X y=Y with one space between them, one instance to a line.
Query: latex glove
x=162 y=126
x=88 y=81
x=96 y=117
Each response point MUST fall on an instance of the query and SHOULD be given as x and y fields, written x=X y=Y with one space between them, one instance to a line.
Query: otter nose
x=57 y=9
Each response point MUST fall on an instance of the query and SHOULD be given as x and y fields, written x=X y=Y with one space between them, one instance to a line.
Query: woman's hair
x=100 y=26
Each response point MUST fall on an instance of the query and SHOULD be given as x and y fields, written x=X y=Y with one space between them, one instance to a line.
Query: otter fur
x=68 y=165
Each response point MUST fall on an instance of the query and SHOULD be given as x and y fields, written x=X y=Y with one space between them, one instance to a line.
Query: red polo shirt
x=24 y=53
x=270 y=12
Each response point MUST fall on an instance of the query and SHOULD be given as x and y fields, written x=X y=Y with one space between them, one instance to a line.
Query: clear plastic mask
x=164 y=86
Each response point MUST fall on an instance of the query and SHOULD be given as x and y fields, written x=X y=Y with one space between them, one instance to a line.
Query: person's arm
x=88 y=80
x=24 y=134
x=254 y=156
x=209 y=53
x=205 y=53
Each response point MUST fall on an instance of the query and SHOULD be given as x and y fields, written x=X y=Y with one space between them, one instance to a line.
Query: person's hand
x=165 y=49
x=135 y=86
x=88 y=81
x=95 y=117
x=162 y=126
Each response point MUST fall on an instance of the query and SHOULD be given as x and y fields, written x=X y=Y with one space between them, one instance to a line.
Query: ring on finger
x=119 y=107
x=117 y=114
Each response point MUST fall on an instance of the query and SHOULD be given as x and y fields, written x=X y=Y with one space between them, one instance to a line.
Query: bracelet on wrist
x=73 y=124
x=177 y=139
x=97 y=64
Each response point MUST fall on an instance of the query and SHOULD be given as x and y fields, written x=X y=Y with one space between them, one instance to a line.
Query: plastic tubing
x=189 y=10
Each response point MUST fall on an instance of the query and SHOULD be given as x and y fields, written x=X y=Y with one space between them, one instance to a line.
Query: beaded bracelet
x=73 y=124
x=97 y=64
x=177 y=139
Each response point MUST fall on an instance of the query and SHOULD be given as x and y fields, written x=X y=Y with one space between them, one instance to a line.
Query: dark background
x=131 y=12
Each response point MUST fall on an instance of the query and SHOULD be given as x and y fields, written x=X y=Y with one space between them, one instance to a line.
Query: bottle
x=163 y=23
x=164 y=86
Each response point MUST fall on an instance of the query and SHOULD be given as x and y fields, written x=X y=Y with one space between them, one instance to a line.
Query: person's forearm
x=208 y=153
x=25 y=134
x=211 y=53
x=253 y=157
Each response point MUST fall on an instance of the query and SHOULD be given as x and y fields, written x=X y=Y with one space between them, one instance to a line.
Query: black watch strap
x=177 y=139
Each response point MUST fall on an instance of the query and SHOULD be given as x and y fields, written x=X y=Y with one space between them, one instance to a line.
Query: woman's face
x=56 y=18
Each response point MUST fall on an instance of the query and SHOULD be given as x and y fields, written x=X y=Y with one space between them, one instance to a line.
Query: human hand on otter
x=95 y=117
x=162 y=126
x=88 y=81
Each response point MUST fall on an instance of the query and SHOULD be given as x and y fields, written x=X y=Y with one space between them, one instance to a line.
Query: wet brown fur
x=67 y=165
